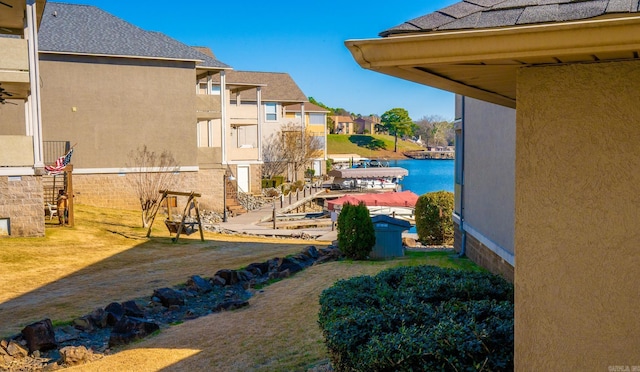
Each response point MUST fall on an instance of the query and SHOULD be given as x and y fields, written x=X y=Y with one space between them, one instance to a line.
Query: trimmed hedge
x=356 y=234
x=434 y=222
x=422 y=318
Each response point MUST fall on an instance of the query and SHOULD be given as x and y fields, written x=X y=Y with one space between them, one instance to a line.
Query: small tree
x=152 y=172
x=356 y=235
x=434 y=222
x=397 y=123
x=291 y=147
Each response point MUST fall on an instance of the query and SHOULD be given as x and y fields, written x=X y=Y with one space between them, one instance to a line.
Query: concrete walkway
x=256 y=222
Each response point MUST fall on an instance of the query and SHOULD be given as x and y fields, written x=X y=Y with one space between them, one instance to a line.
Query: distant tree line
x=433 y=130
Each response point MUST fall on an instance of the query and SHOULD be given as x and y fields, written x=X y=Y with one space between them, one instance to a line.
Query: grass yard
x=357 y=144
x=107 y=258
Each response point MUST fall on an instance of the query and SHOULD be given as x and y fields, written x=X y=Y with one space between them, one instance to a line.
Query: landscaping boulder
x=40 y=336
x=244 y=275
x=114 y=311
x=99 y=318
x=230 y=305
x=83 y=323
x=291 y=264
x=198 y=284
x=130 y=329
x=258 y=269
x=169 y=297
x=16 y=350
x=131 y=308
x=311 y=251
x=77 y=355
x=230 y=277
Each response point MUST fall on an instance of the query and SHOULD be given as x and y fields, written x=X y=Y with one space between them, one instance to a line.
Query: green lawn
x=361 y=144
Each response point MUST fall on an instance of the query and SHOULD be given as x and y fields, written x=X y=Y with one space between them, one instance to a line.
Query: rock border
x=42 y=347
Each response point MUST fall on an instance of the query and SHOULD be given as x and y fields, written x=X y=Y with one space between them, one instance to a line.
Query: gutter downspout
x=463 y=242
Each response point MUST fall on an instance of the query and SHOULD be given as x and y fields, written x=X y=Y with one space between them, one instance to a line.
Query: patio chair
x=53 y=211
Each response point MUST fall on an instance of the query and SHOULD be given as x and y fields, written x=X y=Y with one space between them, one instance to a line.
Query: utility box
x=388 y=236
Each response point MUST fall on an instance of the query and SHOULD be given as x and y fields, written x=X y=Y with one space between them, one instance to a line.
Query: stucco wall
x=12 y=119
x=110 y=106
x=577 y=217
x=489 y=170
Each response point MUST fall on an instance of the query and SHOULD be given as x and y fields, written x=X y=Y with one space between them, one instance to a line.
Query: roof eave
x=122 y=56
x=401 y=55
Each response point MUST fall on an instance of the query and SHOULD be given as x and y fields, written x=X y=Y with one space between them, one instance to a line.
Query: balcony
x=14 y=66
x=208 y=107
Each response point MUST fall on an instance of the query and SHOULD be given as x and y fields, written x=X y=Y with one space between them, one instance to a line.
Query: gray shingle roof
x=279 y=86
x=476 y=14
x=85 y=29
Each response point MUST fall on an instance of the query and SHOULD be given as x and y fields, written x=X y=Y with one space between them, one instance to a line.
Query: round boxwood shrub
x=434 y=223
x=356 y=235
x=422 y=318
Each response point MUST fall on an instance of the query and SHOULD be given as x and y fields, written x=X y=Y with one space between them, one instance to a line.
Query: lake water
x=426 y=175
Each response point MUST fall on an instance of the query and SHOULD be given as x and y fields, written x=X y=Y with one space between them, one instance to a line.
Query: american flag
x=61 y=162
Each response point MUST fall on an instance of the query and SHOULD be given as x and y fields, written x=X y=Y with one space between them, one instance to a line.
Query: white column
x=31 y=33
x=223 y=114
x=260 y=122
x=302 y=126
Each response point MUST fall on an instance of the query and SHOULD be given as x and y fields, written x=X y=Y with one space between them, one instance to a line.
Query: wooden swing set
x=182 y=226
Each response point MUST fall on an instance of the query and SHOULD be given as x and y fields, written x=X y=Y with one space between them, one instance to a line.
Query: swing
x=182 y=226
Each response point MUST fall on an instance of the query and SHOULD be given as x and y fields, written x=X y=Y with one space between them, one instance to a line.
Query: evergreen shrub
x=434 y=223
x=420 y=318
x=356 y=235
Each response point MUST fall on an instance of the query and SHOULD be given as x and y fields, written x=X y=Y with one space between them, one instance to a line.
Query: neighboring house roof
x=476 y=47
x=308 y=107
x=278 y=86
x=342 y=119
x=85 y=29
x=470 y=14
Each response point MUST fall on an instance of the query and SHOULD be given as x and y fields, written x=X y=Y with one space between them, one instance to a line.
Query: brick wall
x=22 y=201
x=482 y=255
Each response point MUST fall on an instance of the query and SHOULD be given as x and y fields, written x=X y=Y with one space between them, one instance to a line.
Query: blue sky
x=304 y=39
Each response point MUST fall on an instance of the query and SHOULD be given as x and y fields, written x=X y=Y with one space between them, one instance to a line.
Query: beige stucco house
x=21 y=150
x=315 y=123
x=568 y=188
x=273 y=93
x=343 y=124
x=366 y=124
x=109 y=87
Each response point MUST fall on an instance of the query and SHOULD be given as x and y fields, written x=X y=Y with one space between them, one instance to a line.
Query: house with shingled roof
x=547 y=151
x=21 y=152
x=109 y=87
x=315 y=123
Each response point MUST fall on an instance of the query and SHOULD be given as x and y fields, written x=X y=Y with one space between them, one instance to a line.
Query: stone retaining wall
x=117 y=191
x=22 y=201
x=482 y=255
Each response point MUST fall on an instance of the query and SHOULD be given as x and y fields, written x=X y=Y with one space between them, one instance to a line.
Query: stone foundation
x=22 y=201
x=117 y=190
x=482 y=255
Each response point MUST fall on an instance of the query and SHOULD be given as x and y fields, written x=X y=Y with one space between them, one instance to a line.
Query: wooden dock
x=430 y=155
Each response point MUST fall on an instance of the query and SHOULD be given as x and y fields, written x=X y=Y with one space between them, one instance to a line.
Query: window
x=316 y=119
x=271 y=111
x=202 y=88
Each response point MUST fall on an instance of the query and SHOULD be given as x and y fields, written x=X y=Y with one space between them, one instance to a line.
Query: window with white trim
x=271 y=111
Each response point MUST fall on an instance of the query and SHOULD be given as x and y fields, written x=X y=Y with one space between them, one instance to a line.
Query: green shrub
x=434 y=223
x=356 y=235
x=420 y=318
x=266 y=183
x=279 y=180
